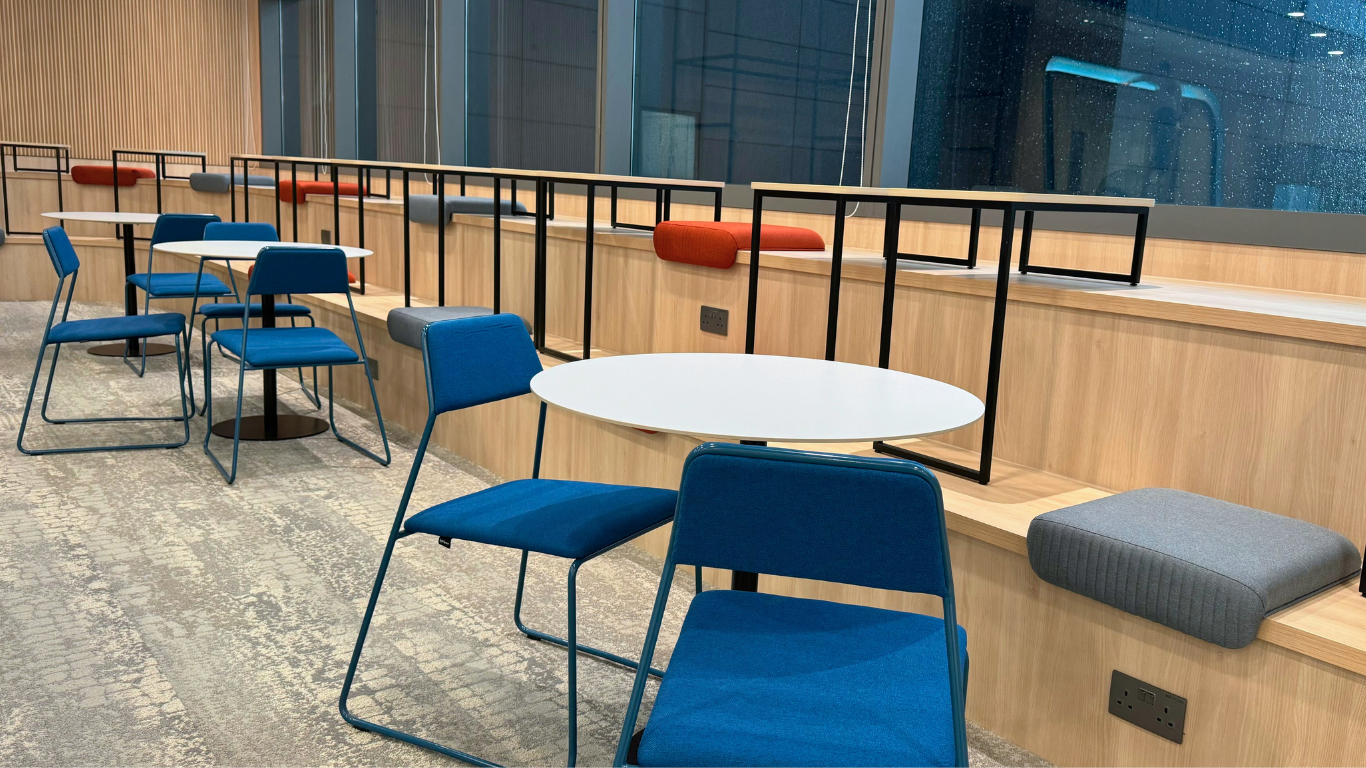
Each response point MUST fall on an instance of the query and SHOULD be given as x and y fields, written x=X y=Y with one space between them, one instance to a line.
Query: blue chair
x=479 y=360
x=172 y=228
x=220 y=311
x=760 y=679
x=285 y=270
x=65 y=262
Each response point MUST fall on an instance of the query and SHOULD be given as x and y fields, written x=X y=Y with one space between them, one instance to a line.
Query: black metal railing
x=61 y=157
x=1009 y=204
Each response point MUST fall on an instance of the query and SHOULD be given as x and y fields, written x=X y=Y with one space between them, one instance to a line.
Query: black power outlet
x=326 y=236
x=1147 y=706
x=716 y=320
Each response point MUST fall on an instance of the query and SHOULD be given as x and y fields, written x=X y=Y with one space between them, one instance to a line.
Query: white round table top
x=757 y=397
x=105 y=217
x=246 y=249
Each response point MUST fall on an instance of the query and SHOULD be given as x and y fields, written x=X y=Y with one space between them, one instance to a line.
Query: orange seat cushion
x=715 y=243
x=306 y=188
x=103 y=175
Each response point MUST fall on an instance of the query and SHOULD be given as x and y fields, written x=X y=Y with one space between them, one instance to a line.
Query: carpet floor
x=152 y=615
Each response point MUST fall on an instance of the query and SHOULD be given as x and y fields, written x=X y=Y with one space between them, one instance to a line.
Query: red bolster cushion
x=350 y=276
x=103 y=175
x=306 y=188
x=715 y=243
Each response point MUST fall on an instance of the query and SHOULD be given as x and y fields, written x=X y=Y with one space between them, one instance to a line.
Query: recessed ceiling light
x=1335 y=53
x=1295 y=14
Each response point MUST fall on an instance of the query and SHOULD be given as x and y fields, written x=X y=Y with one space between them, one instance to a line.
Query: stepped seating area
x=1203 y=377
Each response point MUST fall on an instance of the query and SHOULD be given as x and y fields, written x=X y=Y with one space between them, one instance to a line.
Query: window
x=752 y=90
x=532 y=84
x=1202 y=102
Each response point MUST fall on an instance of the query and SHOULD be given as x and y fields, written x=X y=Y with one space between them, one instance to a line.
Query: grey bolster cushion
x=1202 y=566
x=406 y=323
x=422 y=208
x=218 y=182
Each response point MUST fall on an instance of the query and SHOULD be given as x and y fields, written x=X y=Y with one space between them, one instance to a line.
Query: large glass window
x=752 y=90
x=406 y=68
x=532 y=84
x=1249 y=104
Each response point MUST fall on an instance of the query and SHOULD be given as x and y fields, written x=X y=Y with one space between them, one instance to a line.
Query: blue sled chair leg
x=569 y=520
x=284 y=270
x=66 y=264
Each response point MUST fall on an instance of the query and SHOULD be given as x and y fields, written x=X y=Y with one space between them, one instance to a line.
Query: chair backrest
x=59 y=249
x=241 y=230
x=476 y=360
x=290 y=269
x=859 y=520
x=178 y=227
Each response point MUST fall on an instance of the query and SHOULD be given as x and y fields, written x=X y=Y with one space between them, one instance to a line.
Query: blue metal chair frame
x=243 y=367
x=957 y=676
x=147 y=295
x=63 y=272
x=224 y=228
x=571 y=643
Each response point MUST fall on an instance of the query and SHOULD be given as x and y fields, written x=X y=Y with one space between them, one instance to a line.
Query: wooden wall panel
x=139 y=74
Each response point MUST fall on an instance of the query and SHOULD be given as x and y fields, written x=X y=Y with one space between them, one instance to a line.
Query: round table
x=125 y=222
x=757 y=399
x=271 y=425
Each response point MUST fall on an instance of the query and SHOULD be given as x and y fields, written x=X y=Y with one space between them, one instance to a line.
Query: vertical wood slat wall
x=139 y=74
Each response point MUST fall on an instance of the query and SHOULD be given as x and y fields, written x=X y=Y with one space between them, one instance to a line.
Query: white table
x=271 y=425
x=125 y=222
x=757 y=399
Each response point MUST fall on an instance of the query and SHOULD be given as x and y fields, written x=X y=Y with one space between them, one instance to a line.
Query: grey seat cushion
x=422 y=208
x=406 y=323
x=2 y=235
x=1203 y=566
x=218 y=182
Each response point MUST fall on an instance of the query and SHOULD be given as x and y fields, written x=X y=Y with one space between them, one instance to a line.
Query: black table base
x=117 y=349
x=288 y=427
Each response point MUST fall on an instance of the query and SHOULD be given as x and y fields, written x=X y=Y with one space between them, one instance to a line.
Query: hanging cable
x=426 y=31
x=849 y=103
x=436 y=81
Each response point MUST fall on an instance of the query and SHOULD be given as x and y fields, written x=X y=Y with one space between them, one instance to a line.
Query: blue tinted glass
x=532 y=84
x=752 y=90
x=1192 y=102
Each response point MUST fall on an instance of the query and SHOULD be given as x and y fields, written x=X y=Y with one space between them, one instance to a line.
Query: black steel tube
x=974 y=237
x=1140 y=240
x=1026 y=237
x=832 y=320
x=752 y=309
x=440 y=180
x=998 y=329
x=891 y=235
x=497 y=245
x=588 y=273
x=407 y=247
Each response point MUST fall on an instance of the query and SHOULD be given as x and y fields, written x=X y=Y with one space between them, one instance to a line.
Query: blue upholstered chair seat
x=761 y=679
x=287 y=347
x=112 y=328
x=173 y=285
x=227 y=311
x=556 y=517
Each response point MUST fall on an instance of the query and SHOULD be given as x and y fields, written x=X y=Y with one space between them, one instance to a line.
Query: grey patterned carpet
x=152 y=615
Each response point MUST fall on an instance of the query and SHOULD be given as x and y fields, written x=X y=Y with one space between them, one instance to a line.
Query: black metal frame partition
x=1009 y=203
x=365 y=169
x=158 y=166
x=60 y=152
x=663 y=189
